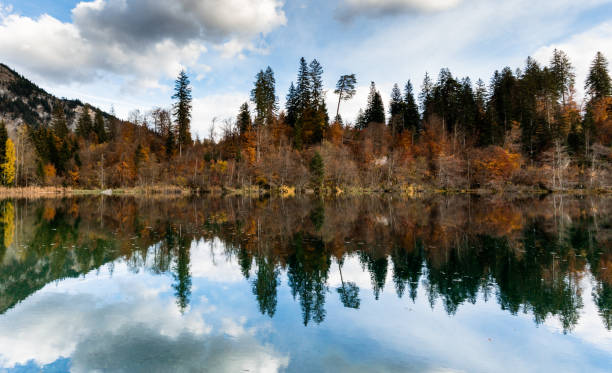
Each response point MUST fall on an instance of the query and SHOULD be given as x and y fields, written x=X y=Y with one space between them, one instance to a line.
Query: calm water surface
x=457 y=284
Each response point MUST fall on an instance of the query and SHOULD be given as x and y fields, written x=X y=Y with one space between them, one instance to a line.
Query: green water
x=457 y=284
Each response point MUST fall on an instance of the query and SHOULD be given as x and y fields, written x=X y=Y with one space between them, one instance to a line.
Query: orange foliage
x=495 y=164
x=335 y=134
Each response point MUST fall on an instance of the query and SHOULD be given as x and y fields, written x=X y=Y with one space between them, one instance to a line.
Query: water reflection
x=529 y=256
x=544 y=258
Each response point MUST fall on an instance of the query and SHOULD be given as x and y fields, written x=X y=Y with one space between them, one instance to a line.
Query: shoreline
x=412 y=191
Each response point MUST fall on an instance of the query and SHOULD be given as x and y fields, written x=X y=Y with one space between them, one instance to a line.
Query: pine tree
x=244 y=119
x=598 y=83
x=396 y=109
x=317 y=171
x=345 y=89
x=8 y=166
x=84 y=125
x=182 y=109
x=412 y=119
x=99 y=128
x=316 y=127
x=426 y=95
x=360 y=122
x=563 y=75
x=291 y=106
x=375 y=112
x=59 y=122
x=304 y=87
x=263 y=95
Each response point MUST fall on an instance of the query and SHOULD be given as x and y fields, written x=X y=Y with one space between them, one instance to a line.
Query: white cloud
x=139 y=40
x=581 y=49
x=349 y=9
x=123 y=327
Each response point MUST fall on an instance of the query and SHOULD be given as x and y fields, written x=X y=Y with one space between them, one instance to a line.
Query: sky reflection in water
x=267 y=286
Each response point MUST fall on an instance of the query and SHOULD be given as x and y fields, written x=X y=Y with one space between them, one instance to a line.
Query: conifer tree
x=396 y=109
x=563 y=75
x=317 y=171
x=360 y=121
x=412 y=119
x=182 y=109
x=426 y=94
x=319 y=121
x=375 y=112
x=244 y=119
x=304 y=87
x=598 y=83
x=291 y=106
x=99 y=127
x=59 y=122
x=345 y=89
x=263 y=95
x=84 y=125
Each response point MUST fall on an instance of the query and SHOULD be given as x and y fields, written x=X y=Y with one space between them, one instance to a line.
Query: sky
x=125 y=54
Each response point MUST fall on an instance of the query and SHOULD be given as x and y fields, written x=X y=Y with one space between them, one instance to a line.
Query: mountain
x=22 y=101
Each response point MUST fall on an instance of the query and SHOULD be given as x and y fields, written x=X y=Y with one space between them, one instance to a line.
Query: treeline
x=525 y=129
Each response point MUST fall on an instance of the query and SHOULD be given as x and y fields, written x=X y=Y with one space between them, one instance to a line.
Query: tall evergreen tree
x=563 y=75
x=412 y=119
x=58 y=121
x=304 y=86
x=320 y=119
x=426 y=95
x=396 y=109
x=375 y=112
x=263 y=95
x=291 y=106
x=345 y=89
x=244 y=118
x=182 y=109
x=99 y=127
x=598 y=83
x=84 y=125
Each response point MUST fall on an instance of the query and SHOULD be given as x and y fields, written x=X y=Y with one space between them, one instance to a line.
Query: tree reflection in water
x=530 y=256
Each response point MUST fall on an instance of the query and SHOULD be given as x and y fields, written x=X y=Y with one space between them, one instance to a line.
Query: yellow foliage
x=219 y=166
x=8 y=167
x=287 y=191
x=49 y=171
x=8 y=220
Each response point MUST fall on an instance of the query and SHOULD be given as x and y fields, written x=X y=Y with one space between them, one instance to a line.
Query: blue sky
x=125 y=53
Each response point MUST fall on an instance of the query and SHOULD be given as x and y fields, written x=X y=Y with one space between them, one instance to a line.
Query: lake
x=440 y=284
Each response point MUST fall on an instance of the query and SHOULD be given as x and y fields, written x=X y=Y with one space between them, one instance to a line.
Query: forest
x=523 y=131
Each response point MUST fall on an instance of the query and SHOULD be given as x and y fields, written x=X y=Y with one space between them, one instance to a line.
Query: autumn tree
x=8 y=166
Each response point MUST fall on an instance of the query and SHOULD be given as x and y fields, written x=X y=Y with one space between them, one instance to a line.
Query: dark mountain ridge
x=23 y=102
